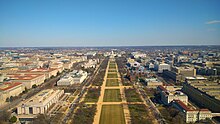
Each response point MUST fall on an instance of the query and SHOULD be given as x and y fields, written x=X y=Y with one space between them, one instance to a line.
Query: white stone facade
x=40 y=103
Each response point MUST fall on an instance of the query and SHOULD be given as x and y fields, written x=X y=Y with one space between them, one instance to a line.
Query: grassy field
x=132 y=95
x=112 y=62
x=112 y=95
x=112 y=70
x=139 y=114
x=112 y=75
x=112 y=114
x=112 y=66
x=112 y=82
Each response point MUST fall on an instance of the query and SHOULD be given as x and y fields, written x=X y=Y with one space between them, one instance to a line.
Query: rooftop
x=41 y=70
x=8 y=85
x=207 y=87
x=172 y=90
x=183 y=106
x=40 y=97
x=23 y=76
x=196 y=78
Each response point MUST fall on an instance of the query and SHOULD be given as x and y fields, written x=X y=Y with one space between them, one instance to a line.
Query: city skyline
x=109 y=23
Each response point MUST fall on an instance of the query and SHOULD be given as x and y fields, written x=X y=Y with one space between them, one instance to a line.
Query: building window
x=30 y=110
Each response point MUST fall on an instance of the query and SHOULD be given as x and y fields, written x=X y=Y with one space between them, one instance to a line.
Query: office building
x=192 y=115
x=170 y=93
x=39 y=103
x=162 y=67
x=28 y=80
x=65 y=81
x=48 y=72
x=153 y=82
x=8 y=89
x=74 y=77
x=204 y=93
x=178 y=74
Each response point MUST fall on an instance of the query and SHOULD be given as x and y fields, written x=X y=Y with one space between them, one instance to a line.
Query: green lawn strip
x=112 y=82
x=112 y=114
x=112 y=95
x=139 y=114
x=112 y=66
x=132 y=95
x=112 y=62
x=112 y=75
x=112 y=70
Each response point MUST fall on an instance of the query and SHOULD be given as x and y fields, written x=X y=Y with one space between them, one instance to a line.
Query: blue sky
x=109 y=23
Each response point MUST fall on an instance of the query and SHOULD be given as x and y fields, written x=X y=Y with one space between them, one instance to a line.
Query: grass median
x=112 y=114
x=112 y=82
x=114 y=75
x=112 y=95
x=112 y=70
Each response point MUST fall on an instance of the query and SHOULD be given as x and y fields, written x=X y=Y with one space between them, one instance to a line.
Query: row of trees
x=140 y=114
x=98 y=80
x=6 y=118
x=92 y=95
x=172 y=115
x=84 y=114
x=46 y=119
x=132 y=95
x=121 y=62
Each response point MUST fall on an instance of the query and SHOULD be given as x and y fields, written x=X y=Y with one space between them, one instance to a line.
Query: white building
x=161 y=67
x=65 y=81
x=39 y=103
x=153 y=82
x=91 y=53
x=74 y=77
x=79 y=77
x=151 y=66
x=138 y=55
x=91 y=63
x=182 y=59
